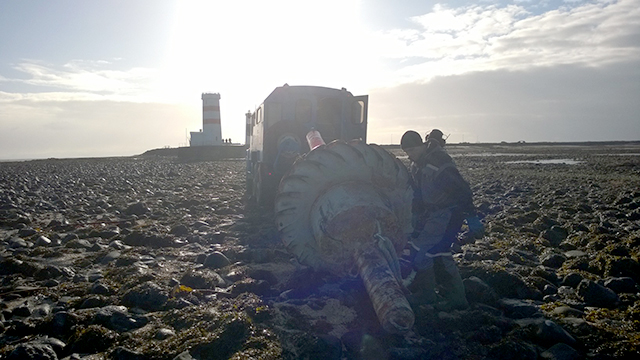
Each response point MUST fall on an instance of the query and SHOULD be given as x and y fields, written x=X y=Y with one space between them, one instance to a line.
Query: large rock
x=503 y=282
x=216 y=260
x=478 y=291
x=597 y=295
x=550 y=333
x=62 y=322
x=519 y=309
x=139 y=238
x=624 y=267
x=118 y=318
x=147 y=296
x=553 y=260
x=572 y=279
x=555 y=235
x=560 y=351
x=33 y=351
x=621 y=285
x=138 y=208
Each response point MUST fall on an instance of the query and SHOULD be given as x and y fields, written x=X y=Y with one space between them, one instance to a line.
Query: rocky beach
x=147 y=257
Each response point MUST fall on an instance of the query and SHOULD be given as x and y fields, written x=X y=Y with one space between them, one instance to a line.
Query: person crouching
x=442 y=200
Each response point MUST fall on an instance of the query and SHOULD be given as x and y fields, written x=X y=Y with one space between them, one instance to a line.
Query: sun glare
x=245 y=49
x=221 y=45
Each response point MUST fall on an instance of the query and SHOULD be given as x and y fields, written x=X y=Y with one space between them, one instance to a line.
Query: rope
x=389 y=252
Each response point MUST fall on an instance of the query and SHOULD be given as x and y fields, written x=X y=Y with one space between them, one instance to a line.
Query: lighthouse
x=211 y=133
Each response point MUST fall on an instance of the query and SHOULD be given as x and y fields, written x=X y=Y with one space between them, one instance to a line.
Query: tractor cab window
x=357 y=112
x=329 y=111
x=303 y=111
x=259 y=115
x=273 y=112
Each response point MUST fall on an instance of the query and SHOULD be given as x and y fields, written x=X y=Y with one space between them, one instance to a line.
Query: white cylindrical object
x=314 y=139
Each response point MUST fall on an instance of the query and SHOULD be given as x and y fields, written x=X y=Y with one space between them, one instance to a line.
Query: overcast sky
x=108 y=78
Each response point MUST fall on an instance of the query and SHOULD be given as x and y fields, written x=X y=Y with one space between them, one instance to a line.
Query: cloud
x=43 y=129
x=488 y=73
x=558 y=103
x=83 y=80
x=487 y=37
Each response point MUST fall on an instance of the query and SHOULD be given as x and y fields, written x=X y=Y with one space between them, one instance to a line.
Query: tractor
x=277 y=130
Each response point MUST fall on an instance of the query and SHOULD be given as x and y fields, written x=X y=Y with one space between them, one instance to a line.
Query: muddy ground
x=149 y=258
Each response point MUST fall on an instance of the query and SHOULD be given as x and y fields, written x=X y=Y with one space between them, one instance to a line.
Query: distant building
x=211 y=133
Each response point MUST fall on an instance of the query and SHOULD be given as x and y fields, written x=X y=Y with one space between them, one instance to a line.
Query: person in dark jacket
x=475 y=228
x=442 y=200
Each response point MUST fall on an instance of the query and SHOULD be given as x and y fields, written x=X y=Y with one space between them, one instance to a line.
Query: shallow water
x=546 y=161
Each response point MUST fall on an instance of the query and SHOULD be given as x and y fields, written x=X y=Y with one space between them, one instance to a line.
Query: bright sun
x=262 y=44
x=244 y=49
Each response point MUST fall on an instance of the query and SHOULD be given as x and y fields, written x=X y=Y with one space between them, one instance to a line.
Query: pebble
x=43 y=241
x=164 y=333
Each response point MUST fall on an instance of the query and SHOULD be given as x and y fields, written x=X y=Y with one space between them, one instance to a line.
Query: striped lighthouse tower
x=211 y=119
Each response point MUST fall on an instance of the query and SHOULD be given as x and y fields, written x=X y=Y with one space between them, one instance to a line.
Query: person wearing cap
x=435 y=135
x=475 y=228
x=442 y=199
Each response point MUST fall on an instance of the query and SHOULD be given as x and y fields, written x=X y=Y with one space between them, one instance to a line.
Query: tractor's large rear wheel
x=323 y=169
x=350 y=203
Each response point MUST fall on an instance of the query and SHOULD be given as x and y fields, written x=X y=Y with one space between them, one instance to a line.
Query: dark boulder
x=555 y=235
x=597 y=295
x=553 y=260
x=519 y=309
x=216 y=260
x=139 y=208
x=560 y=351
x=478 y=291
x=118 y=318
x=571 y=280
x=621 y=285
x=148 y=296
x=624 y=267
x=33 y=351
